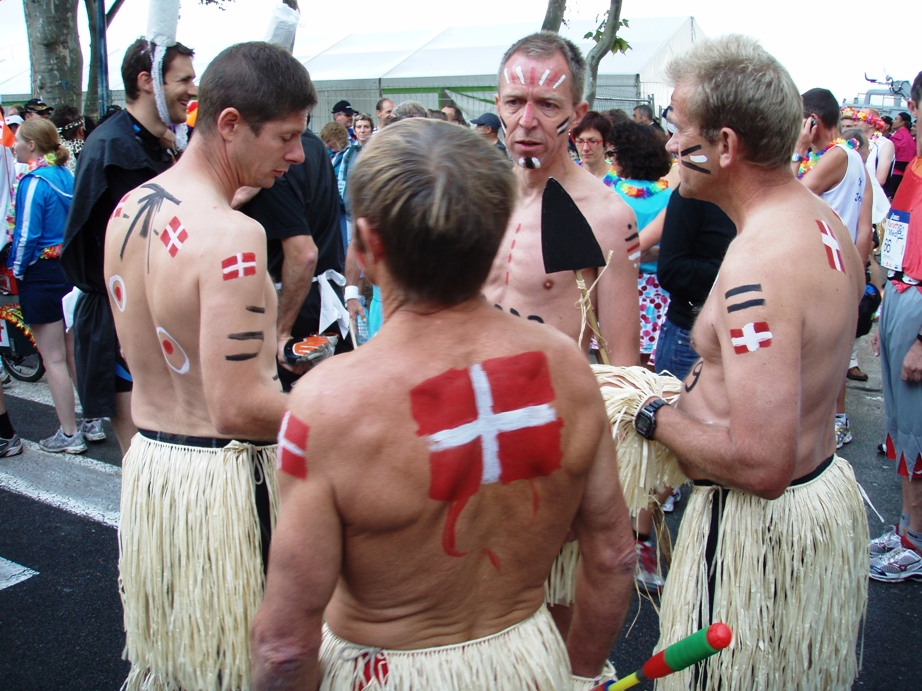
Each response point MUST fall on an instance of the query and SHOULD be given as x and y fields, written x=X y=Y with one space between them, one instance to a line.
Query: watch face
x=644 y=423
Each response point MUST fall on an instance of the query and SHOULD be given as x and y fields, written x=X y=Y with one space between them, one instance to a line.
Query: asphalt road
x=61 y=626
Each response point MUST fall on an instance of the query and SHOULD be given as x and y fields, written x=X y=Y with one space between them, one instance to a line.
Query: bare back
x=519 y=285
x=775 y=335
x=192 y=302
x=457 y=488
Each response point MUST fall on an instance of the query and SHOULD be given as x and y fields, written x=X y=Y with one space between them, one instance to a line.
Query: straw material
x=190 y=562
x=645 y=467
x=791 y=581
x=529 y=655
x=561 y=583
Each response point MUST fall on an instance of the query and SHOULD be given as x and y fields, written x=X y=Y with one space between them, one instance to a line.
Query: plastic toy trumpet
x=689 y=651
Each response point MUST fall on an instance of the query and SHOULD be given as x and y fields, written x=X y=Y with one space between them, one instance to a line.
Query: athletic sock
x=641 y=537
x=904 y=524
x=6 y=427
x=841 y=417
x=914 y=540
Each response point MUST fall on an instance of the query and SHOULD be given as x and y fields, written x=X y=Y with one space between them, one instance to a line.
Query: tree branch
x=554 y=15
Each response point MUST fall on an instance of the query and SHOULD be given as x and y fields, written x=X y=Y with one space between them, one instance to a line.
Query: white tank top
x=846 y=197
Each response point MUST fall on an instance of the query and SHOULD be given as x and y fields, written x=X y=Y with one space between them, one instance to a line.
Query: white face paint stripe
x=519 y=74
x=559 y=81
x=506 y=75
x=489 y=425
x=544 y=77
x=700 y=158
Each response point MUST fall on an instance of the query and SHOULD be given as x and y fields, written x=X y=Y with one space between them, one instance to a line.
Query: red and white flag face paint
x=751 y=337
x=173 y=236
x=833 y=250
x=239 y=265
x=292 y=451
x=117 y=291
x=492 y=422
x=173 y=353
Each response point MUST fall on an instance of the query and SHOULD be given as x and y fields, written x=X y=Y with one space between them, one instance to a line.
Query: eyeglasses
x=589 y=142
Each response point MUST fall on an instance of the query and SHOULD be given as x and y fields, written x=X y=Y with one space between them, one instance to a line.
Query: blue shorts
x=41 y=290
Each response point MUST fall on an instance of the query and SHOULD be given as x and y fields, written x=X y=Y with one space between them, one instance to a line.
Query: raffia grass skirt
x=560 y=587
x=790 y=580
x=190 y=562
x=529 y=655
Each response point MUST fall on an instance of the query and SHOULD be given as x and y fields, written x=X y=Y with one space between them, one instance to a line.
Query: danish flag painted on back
x=493 y=422
x=833 y=250
x=173 y=236
x=239 y=265
x=292 y=451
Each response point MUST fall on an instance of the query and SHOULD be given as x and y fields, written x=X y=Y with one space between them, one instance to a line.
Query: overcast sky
x=819 y=47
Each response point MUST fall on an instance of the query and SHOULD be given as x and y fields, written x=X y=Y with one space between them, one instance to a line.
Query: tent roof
x=472 y=50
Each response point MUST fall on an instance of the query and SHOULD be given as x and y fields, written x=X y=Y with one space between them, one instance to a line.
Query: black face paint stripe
x=255 y=308
x=746 y=305
x=632 y=237
x=695 y=168
x=562 y=127
x=247 y=336
x=690 y=150
x=748 y=288
x=240 y=357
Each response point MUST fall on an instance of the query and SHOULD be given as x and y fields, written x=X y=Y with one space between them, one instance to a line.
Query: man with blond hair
x=773 y=539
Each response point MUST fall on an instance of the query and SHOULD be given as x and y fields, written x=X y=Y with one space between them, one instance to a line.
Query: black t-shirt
x=304 y=201
x=696 y=235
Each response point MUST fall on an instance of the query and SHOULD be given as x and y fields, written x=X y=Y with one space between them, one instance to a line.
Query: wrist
x=351 y=293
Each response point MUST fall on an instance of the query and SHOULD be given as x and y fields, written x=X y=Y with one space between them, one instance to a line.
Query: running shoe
x=5 y=377
x=901 y=564
x=646 y=572
x=669 y=504
x=843 y=432
x=10 y=447
x=92 y=430
x=887 y=542
x=61 y=443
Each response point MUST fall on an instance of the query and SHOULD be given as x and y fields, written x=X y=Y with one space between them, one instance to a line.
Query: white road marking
x=76 y=484
x=12 y=573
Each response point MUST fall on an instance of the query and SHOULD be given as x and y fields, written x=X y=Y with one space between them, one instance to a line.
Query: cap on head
x=13 y=120
x=36 y=105
x=344 y=107
x=490 y=120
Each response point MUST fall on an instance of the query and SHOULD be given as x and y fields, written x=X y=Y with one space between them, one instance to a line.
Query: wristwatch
x=645 y=420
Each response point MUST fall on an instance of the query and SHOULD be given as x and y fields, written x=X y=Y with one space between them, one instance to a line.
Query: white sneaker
x=61 y=443
x=887 y=542
x=92 y=430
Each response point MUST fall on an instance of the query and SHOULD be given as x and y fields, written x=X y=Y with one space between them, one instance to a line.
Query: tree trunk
x=54 y=51
x=91 y=104
x=554 y=15
x=605 y=43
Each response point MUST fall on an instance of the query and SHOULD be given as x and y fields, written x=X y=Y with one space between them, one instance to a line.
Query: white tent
x=461 y=64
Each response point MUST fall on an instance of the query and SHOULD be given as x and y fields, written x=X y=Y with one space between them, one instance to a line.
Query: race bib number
x=894 y=247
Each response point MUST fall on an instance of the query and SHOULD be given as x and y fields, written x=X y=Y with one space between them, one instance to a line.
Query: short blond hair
x=440 y=198
x=735 y=83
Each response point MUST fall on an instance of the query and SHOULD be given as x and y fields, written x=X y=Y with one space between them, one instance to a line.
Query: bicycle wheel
x=28 y=368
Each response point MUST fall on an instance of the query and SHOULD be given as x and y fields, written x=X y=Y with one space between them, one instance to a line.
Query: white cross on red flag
x=492 y=422
x=173 y=236
x=833 y=249
x=292 y=450
x=239 y=265
x=751 y=337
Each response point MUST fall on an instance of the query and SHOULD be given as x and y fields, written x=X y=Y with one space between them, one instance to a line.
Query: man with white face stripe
x=539 y=99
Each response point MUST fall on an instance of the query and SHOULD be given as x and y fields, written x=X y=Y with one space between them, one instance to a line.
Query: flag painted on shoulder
x=173 y=236
x=751 y=337
x=239 y=265
x=833 y=250
x=492 y=422
x=292 y=450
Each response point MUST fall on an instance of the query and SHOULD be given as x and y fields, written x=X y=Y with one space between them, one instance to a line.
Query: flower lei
x=641 y=189
x=873 y=119
x=813 y=157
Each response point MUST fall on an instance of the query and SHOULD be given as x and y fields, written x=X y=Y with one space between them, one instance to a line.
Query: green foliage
x=619 y=45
